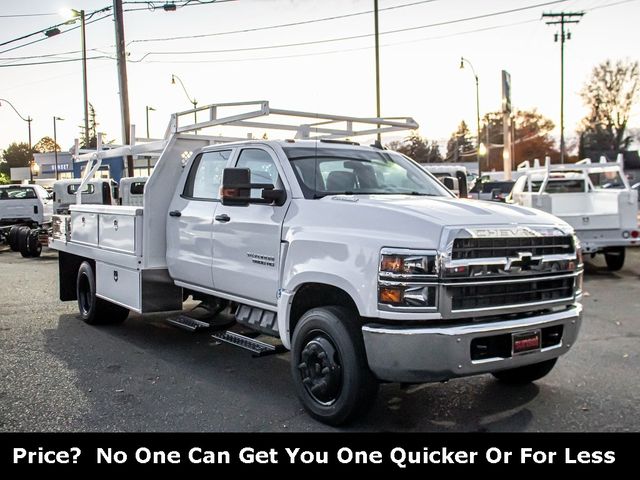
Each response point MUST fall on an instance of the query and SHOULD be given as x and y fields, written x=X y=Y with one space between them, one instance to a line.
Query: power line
x=283 y=25
x=353 y=37
x=46 y=38
x=28 y=15
x=56 y=61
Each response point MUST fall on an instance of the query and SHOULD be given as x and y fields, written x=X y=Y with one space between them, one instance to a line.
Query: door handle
x=223 y=218
x=175 y=213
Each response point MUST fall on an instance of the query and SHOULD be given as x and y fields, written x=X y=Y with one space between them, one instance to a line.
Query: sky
x=419 y=65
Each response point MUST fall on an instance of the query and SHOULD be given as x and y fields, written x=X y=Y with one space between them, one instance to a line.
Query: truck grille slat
x=497 y=295
x=471 y=248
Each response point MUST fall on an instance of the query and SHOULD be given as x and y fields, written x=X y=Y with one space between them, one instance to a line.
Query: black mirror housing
x=236 y=189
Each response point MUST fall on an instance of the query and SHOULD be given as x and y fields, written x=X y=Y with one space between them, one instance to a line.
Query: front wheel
x=329 y=366
x=614 y=258
x=526 y=374
x=94 y=310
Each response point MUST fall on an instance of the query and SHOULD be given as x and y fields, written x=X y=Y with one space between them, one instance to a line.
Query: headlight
x=407 y=278
x=407 y=263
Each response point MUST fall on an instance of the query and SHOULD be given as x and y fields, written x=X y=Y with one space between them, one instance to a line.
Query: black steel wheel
x=329 y=365
x=33 y=244
x=94 y=310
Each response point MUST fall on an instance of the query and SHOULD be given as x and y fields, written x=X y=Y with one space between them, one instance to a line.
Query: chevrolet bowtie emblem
x=523 y=258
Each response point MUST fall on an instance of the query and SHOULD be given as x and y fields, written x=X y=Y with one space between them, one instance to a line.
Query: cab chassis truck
x=353 y=257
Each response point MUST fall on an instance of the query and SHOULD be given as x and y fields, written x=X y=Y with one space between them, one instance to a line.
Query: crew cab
x=25 y=212
x=594 y=198
x=353 y=257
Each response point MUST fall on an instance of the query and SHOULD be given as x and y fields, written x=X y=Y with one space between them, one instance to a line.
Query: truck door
x=189 y=225
x=246 y=240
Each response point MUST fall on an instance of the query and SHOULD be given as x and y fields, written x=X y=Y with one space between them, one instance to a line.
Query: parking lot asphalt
x=59 y=374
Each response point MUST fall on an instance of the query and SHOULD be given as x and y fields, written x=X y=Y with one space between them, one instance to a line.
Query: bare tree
x=610 y=94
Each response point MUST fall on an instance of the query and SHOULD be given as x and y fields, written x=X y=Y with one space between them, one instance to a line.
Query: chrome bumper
x=432 y=354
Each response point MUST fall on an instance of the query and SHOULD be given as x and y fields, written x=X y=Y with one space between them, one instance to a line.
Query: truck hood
x=444 y=211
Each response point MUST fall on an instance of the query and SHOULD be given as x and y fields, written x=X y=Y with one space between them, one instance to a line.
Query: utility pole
x=122 y=79
x=375 y=20
x=562 y=19
x=84 y=76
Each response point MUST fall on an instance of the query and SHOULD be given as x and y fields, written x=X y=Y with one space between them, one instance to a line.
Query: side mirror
x=236 y=189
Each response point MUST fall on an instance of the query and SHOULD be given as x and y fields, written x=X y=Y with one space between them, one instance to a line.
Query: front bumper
x=433 y=354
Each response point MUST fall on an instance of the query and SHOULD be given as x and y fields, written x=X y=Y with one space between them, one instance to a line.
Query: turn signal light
x=391 y=295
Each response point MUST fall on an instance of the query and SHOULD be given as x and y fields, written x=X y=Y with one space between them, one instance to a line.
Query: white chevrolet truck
x=352 y=257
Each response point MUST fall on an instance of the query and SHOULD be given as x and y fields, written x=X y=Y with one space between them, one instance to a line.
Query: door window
x=205 y=175
x=263 y=168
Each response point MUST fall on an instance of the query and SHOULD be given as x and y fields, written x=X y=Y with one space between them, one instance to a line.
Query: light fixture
x=482 y=150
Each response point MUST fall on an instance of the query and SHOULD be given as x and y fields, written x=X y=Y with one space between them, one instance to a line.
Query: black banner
x=266 y=452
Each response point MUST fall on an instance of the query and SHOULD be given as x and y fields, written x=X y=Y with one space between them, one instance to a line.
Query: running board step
x=188 y=323
x=258 y=348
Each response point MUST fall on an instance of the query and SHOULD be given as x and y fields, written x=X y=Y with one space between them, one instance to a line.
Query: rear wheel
x=614 y=258
x=329 y=366
x=33 y=244
x=94 y=310
x=12 y=238
x=23 y=241
x=526 y=374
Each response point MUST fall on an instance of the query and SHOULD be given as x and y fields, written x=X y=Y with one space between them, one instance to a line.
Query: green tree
x=15 y=155
x=4 y=179
x=610 y=94
x=460 y=144
x=46 y=145
x=418 y=148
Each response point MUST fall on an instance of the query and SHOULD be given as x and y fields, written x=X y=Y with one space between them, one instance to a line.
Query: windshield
x=333 y=171
x=607 y=179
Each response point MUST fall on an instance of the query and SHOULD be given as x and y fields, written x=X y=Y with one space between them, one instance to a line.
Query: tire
x=23 y=241
x=338 y=386
x=12 y=238
x=33 y=244
x=614 y=258
x=526 y=374
x=94 y=310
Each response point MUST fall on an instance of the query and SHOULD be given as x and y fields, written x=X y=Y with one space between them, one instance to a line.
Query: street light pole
x=375 y=19
x=193 y=101
x=55 y=143
x=147 y=110
x=462 y=62
x=28 y=120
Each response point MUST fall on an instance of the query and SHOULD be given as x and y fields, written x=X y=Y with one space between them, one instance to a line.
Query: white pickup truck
x=24 y=210
x=594 y=198
x=353 y=257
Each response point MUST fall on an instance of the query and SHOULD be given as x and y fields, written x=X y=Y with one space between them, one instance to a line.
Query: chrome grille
x=504 y=293
x=473 y=248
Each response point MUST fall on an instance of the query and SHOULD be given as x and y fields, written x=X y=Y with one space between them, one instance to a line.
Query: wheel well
x=68 y=266
x=312 y=295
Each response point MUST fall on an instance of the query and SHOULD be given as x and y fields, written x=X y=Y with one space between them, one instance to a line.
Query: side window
x=205 y=175
x=263 y=168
